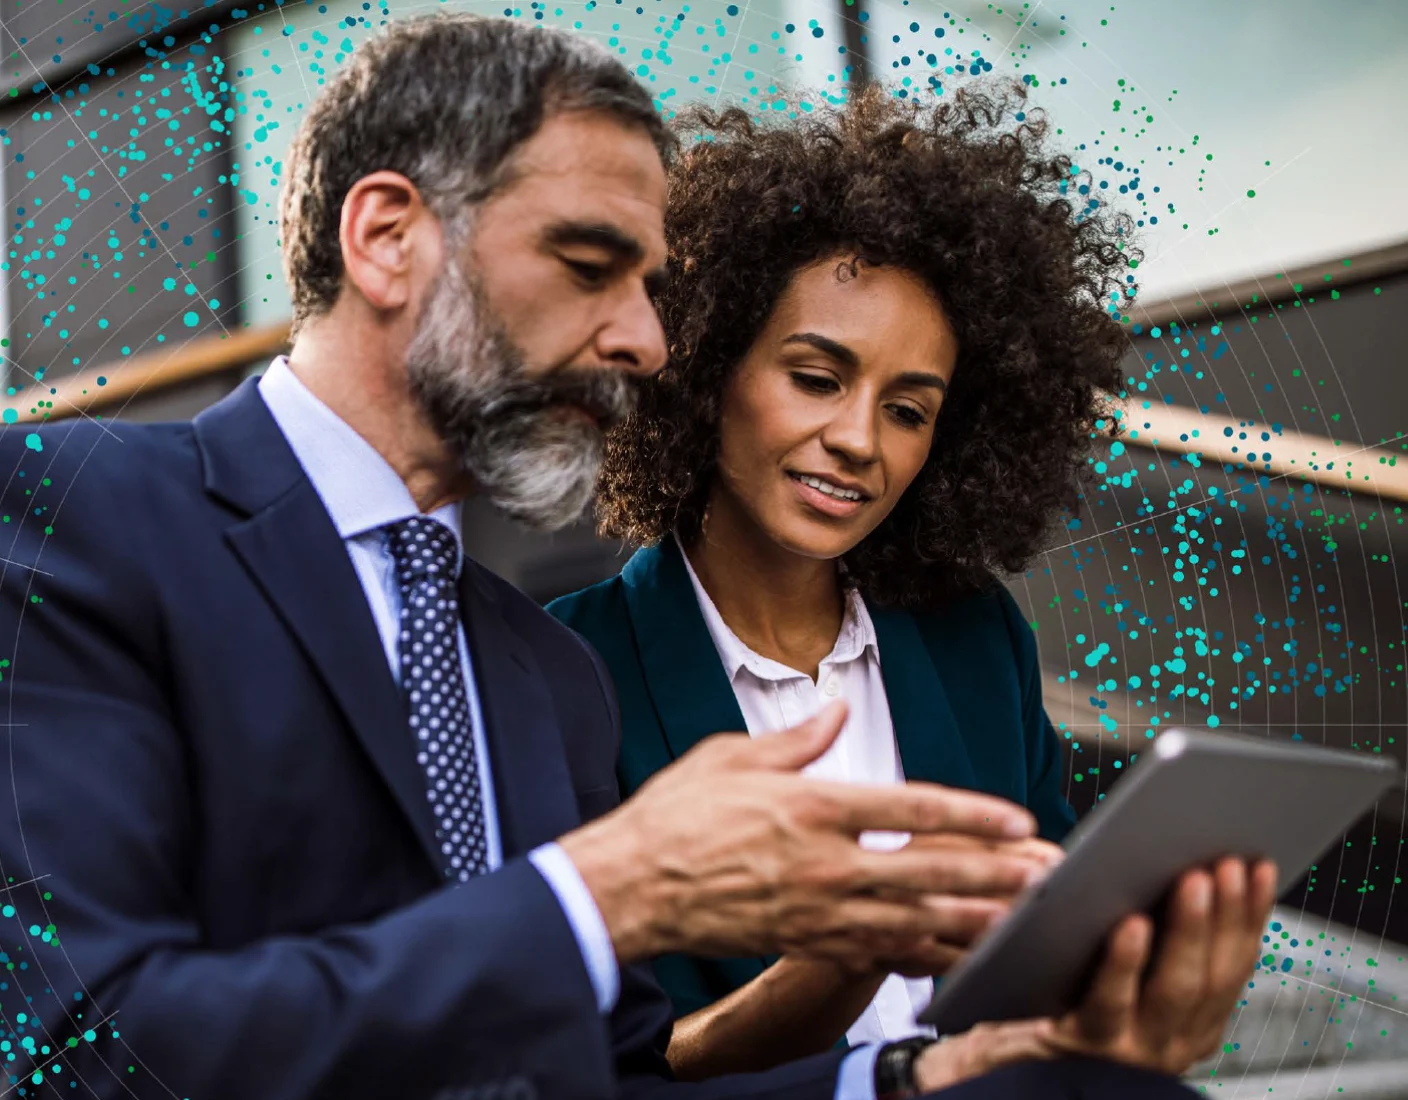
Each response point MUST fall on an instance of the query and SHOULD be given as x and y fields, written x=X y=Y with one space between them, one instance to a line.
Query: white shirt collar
x=360 y=490
x=857 y=636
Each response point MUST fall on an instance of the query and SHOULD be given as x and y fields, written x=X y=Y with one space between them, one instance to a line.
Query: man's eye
x=588 y=272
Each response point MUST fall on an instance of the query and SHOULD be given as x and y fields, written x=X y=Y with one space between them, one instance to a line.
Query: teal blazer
x=963 y=687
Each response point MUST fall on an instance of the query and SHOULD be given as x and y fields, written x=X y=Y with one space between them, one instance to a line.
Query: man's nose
x=634 y=341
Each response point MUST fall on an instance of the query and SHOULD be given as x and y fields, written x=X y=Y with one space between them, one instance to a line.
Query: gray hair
x=444 y=100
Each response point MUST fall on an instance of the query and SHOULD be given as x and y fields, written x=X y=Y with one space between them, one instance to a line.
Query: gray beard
x=499 y=418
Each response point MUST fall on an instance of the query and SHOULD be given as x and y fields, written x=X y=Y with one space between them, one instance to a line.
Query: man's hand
x=730 y=852
x=1164 y=1022
x=966 y=919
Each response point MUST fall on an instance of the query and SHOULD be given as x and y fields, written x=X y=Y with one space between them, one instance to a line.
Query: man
x=287 y=771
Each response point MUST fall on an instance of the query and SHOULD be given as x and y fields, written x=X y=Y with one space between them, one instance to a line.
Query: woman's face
x=829 y=417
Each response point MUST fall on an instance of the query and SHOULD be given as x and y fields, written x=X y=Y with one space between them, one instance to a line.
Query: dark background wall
x=117 y=190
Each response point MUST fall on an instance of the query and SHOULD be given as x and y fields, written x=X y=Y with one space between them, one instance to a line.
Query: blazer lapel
x=683 y=674
x=532 y=786
x=926 y=731
x=686 y=680
x=292 y=550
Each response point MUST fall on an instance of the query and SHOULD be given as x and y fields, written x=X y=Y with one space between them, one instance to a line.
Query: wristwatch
x=894 y=1068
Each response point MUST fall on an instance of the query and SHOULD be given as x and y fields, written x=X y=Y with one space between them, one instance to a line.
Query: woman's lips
x=824 y=503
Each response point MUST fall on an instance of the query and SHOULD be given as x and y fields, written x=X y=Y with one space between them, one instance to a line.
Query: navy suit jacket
x=221 y=881
x=963 y=684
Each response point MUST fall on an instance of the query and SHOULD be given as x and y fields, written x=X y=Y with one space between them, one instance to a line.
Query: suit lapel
x=930 y=744
x=532 y=786
x=293 y=552
x=686 y=680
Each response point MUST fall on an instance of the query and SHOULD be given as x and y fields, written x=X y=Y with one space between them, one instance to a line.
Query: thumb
x=793 y=749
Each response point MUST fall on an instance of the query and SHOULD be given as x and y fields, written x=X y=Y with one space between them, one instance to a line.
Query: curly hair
x=1027 y=271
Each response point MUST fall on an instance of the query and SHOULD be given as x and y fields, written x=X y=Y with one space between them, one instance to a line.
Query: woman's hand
x=1164 y=1023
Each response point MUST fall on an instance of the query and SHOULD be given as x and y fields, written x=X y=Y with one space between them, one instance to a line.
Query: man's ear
x=385 y=232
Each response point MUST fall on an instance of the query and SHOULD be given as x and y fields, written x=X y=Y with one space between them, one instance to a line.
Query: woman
x=889 y=329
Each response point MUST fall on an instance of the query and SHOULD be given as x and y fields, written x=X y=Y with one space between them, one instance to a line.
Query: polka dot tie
x=432 y=683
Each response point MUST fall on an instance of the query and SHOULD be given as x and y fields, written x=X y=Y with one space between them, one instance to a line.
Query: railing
x=1151 y=425
x=114 y=385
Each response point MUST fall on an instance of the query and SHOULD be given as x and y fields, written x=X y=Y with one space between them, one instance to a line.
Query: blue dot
x=191 y=318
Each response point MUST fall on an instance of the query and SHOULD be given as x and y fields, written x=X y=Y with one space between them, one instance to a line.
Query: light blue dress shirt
x=363 y=494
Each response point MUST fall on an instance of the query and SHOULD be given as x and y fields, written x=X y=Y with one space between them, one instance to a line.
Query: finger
x=864 y=927
x=954 y=871
x=962 y=921
x=1178 y=981
x=1232 y=952
x=1261 y=896
x=1109 y=1008
x=793 y=749
x=1038 y=852
x=1231 y=927
x=924 y=808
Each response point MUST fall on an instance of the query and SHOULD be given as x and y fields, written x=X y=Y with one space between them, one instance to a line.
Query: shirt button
x=833 y=687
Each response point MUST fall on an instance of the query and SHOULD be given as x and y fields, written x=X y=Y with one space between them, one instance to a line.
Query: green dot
x=1251 y=194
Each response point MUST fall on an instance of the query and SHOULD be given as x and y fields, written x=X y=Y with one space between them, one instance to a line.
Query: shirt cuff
x=593 y=939
x=856 y=1081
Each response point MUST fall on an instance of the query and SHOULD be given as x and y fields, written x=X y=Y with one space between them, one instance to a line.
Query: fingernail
x=1036 y=875
x=1019 y=827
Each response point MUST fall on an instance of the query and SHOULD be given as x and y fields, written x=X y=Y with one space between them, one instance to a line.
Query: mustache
x=608 y=395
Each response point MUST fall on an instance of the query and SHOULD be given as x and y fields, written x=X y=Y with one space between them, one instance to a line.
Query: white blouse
x=773 y=697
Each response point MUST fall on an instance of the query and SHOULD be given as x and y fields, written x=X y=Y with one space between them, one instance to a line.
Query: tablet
x=1191 y=798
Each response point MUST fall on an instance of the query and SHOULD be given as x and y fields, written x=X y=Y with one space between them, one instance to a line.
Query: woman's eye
x=909 y=416
x=815 y=383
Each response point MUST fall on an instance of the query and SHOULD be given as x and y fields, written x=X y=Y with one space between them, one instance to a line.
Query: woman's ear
x=388 y=235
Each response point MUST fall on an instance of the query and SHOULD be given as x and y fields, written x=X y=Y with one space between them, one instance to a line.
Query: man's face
x=530 y=341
